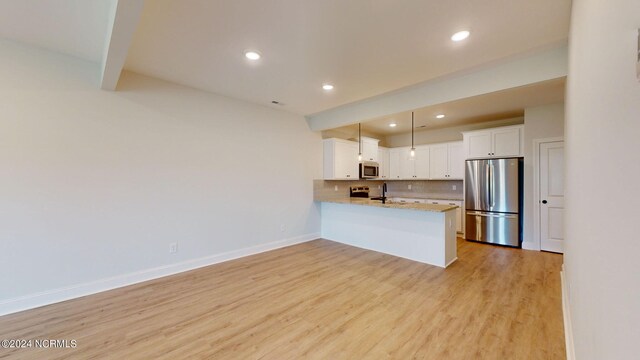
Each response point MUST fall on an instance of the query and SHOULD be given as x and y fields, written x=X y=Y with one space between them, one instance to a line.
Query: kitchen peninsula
x=419 y=232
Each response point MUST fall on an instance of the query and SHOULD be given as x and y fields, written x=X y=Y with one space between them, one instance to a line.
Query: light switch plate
x=409 y=186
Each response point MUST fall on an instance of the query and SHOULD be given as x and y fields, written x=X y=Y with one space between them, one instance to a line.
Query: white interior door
x=552 y=196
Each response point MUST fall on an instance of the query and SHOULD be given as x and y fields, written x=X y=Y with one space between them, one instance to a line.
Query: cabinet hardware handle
x=544 y=201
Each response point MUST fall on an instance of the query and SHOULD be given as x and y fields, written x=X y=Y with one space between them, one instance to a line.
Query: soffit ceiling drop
x=363 y=47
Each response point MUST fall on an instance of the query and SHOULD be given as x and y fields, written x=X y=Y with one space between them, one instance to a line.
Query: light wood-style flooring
x=317 y=300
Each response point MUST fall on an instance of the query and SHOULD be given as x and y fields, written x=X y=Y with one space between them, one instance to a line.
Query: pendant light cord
x=412 y=130
x=359 y=139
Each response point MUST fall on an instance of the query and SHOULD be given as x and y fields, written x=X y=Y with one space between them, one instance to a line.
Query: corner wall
x=602 y=196
x=96 y=184
x=539 y=122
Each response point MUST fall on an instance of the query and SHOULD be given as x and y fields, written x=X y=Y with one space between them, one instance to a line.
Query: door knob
x=544 y=201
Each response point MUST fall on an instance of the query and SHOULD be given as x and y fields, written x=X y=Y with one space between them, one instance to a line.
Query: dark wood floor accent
x=319 y=300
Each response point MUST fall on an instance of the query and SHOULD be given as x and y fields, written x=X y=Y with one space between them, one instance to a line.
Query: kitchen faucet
x=383 y=198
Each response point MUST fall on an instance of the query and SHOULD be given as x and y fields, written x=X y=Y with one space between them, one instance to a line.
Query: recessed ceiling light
x=327 y=87
x=252 y=55
x=440 y=116
x=460 y=35
x=392 y=125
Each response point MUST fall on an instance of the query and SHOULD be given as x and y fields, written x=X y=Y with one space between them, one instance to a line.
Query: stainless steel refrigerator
x=493 y=201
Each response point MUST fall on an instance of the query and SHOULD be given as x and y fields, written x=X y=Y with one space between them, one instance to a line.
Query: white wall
x=603 y=157
x=96 y=184
x=446 y=134
x=540 y=122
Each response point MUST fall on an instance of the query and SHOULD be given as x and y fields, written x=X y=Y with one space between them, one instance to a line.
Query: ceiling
x=494 y=106
x=73 y=27
x=363 y=47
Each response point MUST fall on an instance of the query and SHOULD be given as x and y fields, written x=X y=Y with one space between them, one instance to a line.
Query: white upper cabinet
x=394 y=163
x=477 y=144
x=456 y=161
x=340 y=159
x=407 y=164
x=405 y=167
x=508 y=141
x=446 y=161
x=369 y=149
x=497 y=142
x=421 y=160
x=439 y=161
x=383 y=163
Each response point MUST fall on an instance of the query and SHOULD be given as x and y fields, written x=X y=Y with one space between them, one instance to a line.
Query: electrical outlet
x=409 y=186
x=173 y=248
x=283 y=228
x=335 y=188
x=454 y=187
x=378 y=187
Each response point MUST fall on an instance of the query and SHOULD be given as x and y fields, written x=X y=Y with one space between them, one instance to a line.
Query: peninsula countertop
x=390 y=204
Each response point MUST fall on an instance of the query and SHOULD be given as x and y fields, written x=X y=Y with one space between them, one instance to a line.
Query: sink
x=388 y=202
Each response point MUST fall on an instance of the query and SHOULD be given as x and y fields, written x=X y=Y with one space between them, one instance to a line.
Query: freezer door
x=477 y=185
x=495 y=228
x=503 y=180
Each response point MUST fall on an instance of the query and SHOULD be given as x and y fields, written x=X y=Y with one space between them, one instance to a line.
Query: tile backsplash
x=436 y=189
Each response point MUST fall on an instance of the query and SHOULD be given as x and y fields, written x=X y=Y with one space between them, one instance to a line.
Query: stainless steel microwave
x=369 y=170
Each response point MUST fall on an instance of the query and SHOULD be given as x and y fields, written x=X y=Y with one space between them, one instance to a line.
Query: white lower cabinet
x=409 y=200
x=458 y=203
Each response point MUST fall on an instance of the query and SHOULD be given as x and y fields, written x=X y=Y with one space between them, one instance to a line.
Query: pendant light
x=413 y=149
x=359 y=142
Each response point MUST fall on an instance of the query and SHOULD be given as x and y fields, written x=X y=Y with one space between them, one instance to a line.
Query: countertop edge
x=405 y=206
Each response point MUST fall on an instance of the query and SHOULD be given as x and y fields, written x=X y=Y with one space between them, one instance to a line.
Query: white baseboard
x=75 y=291
x=566 y=315
x=527 y=245
x=451 y=262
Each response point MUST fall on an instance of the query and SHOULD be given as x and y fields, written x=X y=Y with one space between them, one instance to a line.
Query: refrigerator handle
x=494 y=215
x=492 y=187
x=487 y=173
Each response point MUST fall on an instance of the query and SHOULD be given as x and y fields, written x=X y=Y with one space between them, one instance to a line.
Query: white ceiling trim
x=547 y=65
x=123 y=21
